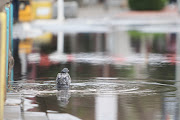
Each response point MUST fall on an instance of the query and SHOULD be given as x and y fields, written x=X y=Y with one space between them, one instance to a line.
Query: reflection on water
x=113 y=107
x=116 y=54
x=63 y=96
x=118 y=75
x=106 y=107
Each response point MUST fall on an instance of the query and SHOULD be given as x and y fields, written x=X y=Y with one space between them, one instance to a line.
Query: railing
x=6 y=22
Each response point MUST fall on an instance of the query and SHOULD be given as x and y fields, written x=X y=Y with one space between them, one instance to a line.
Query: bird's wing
x=58 y=77
x=68 y=78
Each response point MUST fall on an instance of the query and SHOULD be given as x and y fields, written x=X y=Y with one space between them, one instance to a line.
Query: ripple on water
x=96 y=86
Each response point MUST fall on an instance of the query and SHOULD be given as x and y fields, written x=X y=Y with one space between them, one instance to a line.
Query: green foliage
x=147 y=4
x=137 y=34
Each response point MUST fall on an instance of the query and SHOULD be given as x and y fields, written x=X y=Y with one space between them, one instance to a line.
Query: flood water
x=121 y=75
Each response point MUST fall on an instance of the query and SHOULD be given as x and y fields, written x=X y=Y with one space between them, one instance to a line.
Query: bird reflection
x=63 y=96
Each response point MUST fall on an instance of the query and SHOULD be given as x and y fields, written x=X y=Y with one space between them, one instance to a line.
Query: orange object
x=25 y=14
x=26 y=46
x=45 y=61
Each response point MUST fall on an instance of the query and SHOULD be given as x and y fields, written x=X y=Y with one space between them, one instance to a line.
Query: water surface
x=119 y=75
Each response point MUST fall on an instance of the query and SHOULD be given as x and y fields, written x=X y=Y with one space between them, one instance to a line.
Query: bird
x=63 y=79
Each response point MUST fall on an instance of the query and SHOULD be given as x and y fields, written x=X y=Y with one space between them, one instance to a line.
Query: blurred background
x=123 y=57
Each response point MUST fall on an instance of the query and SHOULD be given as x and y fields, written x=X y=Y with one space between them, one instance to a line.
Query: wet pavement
x=15 y=109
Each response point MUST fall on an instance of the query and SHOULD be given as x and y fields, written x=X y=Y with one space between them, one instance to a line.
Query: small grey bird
x=63 y=79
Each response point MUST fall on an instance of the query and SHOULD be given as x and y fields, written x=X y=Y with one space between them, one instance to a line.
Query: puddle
x=118 y=75
x=91 y=98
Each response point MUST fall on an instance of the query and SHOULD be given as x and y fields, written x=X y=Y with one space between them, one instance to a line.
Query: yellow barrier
x=2 y=63
x=42 y=9
x=45 y=38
